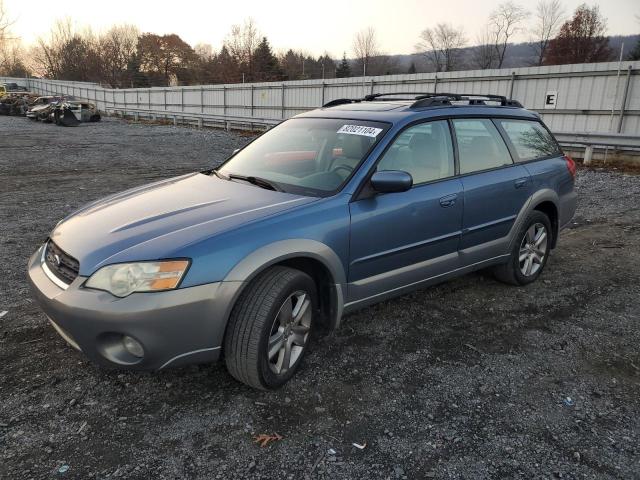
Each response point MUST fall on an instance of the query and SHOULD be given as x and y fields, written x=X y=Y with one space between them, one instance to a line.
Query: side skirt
x=395 y=292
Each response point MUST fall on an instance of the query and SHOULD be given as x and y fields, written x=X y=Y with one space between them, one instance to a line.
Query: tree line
x=554 y=39
x=123 y=57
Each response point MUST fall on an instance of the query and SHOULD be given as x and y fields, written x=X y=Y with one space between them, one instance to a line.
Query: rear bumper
x=175 y=327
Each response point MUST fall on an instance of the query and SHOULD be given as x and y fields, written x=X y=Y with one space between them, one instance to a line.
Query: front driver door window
x=401 y=238
x=425 y=151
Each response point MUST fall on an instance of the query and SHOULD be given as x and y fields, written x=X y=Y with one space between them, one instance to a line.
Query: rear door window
x=530 y=139
x=480 y=146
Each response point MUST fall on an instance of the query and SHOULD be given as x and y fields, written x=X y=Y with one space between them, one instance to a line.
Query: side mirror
x=390 y=181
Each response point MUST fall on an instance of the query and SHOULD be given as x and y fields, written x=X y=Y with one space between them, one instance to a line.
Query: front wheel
x=530 y=251
x=270 y=328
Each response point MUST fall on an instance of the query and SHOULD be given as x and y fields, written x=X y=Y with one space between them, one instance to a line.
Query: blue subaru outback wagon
x=328 y=212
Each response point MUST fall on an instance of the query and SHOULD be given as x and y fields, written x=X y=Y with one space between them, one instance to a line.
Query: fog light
x=133 y=346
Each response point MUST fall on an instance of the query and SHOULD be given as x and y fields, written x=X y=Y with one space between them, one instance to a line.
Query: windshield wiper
x=259 y=182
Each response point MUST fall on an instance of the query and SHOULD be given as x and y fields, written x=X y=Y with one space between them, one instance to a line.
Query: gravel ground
x=469 y=379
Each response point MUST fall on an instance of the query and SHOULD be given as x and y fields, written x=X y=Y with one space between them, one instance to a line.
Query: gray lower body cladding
x=175 y=327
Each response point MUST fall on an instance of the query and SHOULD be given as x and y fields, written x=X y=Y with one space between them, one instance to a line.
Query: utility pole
x=615 y=99
x=364 y=73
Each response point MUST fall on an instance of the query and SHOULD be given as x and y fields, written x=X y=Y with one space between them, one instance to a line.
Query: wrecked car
x=42 y=109
x=72 y=113
x=14 y=87
x=42 y=106
x=12 y=104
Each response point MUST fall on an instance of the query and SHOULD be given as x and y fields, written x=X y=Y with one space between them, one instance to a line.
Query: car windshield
x=307 y=156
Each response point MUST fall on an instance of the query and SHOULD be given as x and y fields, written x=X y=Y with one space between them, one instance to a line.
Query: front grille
x=62 y=265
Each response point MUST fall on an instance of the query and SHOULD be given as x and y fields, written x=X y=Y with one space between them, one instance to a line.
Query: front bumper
x=175 y=327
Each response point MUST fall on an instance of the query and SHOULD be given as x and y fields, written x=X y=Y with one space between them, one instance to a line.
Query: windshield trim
x=309 y=191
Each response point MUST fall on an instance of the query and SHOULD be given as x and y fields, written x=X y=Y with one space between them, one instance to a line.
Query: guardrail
x=590 y=140
x=198 y=119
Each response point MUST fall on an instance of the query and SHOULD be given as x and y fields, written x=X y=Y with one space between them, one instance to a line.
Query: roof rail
x=431 y=99
x=412 y=95
x=476 y=99
x=341 y=101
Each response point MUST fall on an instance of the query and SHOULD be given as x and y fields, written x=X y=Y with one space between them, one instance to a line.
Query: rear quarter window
x=530 y=139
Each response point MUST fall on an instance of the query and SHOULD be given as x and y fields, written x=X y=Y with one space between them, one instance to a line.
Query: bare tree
x=46 y=56
x=441 y=46
x=13 y=60
x=5 y=23
x=365 y=47
x=484 y=54
x=505 y=21
x=204 y=51
x=8 y=44
x=242 y=43
x=69 y=54
x=549 y=16
x=118 y=46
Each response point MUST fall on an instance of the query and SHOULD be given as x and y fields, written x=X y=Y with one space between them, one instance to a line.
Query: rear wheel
x=270 y=328
x=530 y=251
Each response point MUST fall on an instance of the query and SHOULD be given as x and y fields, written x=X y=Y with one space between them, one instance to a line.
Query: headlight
x=125 y=278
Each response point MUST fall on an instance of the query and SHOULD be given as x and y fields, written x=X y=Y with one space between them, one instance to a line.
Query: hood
x=158 y=220
x=38 y=108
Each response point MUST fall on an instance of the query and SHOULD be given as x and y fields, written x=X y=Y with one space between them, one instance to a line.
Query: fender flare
x=543 y=195
x=273 y=253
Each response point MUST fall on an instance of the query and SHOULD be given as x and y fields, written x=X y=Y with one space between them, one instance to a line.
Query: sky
x=313 y=26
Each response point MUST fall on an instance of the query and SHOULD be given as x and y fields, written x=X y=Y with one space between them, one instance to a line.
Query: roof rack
x=431 y=99
x=472 y=98
x=376 y=96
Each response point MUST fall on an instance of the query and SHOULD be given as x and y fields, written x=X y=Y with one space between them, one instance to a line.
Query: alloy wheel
x=289 y=332
x=533 y=249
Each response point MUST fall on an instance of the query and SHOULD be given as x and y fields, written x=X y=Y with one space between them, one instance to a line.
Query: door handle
x=448 y=200
x=521 y=182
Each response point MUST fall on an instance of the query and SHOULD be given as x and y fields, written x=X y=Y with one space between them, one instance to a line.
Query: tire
x=530 y=251
x=266 y=313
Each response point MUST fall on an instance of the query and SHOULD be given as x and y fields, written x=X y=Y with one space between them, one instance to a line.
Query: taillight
x=571 y=165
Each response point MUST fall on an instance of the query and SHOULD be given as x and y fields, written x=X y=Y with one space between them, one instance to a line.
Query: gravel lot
x=469 y=379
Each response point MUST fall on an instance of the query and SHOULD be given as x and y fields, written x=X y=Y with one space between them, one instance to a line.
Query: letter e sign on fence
x=550 y=99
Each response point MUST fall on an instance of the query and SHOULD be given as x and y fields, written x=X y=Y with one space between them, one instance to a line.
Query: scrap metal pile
x=14 y=104
x=61 y=110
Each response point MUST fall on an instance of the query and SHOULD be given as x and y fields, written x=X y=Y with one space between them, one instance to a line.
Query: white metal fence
x=598 y=97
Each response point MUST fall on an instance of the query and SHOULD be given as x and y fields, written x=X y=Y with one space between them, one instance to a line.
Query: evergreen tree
x=134 y=77
x=265 y=63
x=343 y=70
x=412 y=68
x=227 y=69
x=326 y=66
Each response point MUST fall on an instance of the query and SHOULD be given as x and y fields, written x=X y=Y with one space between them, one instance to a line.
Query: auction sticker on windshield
x=360 y=130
